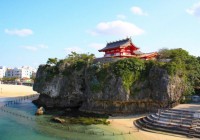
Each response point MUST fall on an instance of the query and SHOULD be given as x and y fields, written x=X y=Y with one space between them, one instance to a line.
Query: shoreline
x=118 y=124
x=125 y=124
x=13 y=91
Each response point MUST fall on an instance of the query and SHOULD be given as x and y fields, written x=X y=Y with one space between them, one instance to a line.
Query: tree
x=75 y=56
x=52 y=61
x=198 y=58
x=8 y=79
x=164 y=53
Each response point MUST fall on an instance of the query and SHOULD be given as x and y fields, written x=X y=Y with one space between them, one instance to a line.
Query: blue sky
x=31 y=31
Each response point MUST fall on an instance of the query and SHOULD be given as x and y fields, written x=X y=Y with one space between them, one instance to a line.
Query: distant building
x=2 y=71
x=9 y=72
x=23 y=72
x=26 y=80
x=34 y=74
x=125 y=49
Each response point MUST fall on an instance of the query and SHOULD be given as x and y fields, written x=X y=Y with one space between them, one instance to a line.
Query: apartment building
x=2 y=71
x=23 y=72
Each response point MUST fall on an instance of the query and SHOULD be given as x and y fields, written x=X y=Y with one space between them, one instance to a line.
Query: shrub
x=129 y=69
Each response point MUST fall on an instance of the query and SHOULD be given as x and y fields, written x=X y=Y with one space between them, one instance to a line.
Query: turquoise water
x=20 y=123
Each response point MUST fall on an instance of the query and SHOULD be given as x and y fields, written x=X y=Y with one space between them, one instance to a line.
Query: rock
x=58 y=120
x=68 y=110
x=40 y=111
x=83 y=90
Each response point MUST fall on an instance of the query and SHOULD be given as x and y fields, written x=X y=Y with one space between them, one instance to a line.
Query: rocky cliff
x=97 y=88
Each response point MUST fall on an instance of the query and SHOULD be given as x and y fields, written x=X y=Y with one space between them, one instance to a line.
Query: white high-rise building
x=2 y=71
x=23 y=72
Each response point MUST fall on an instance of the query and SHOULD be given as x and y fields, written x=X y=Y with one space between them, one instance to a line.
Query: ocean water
x=18 y=122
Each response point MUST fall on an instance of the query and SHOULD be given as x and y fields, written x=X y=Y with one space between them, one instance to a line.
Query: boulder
x=40 y=111
x=58 y=120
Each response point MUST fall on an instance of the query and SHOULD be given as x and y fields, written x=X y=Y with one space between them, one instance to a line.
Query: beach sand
x=125 y=125
x=191 y=107
x=7 y=91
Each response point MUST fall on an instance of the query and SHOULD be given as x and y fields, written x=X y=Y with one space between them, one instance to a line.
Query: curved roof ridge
x=116 y=44
x=119 y=40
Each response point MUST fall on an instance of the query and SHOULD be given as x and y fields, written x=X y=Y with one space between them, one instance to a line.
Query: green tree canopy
x=183 y=64
x=52 y=61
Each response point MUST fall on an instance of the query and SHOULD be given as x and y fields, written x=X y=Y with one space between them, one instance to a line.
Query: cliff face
x=59 y=91
x=88 y=91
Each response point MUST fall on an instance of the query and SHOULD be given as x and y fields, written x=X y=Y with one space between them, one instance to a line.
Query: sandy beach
x=125 y=124
x=15 y=90
x=191 y=107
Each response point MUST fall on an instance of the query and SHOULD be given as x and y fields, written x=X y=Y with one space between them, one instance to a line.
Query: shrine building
x=125 y=49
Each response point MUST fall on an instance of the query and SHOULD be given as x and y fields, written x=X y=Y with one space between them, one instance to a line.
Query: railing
x=178 y=119
x=6 y=109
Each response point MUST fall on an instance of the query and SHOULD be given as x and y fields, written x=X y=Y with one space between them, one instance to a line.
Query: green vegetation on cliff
x=73 y=62
x=130 y=70
x=184 y=65
x=101 y=72
x=177 y=62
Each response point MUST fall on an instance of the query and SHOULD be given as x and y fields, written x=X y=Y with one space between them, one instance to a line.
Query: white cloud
x=96 y=46
x=35 y=48
x=76 y=49
x=43 y=46
x=117 y=28
x=30 y=48
x=138 y=11
x=194 y=10
x=120 y=16
x=19 y=32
